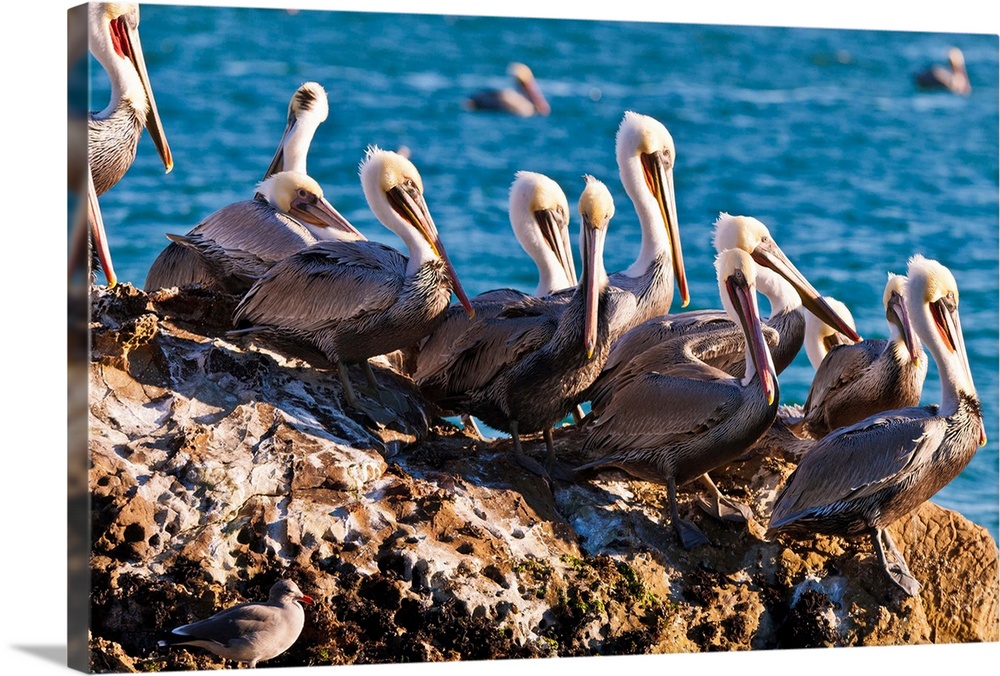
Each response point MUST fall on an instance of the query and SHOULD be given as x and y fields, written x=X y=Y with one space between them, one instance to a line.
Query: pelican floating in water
x=237 y=244
x=683 y=420
x=860 y=479
x=539 y=388
x=307 y=110
x=820 y=337
x=954 y=78
x=524 y=103
x=113 y=133
x=539 y=216
x=788 y=291
x=355 y=300
x=860 y=380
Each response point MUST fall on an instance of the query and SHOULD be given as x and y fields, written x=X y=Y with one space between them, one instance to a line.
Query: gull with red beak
x=348 y=301
x=682 y=420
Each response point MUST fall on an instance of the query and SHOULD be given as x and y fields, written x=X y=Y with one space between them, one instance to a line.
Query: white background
x=32 y=612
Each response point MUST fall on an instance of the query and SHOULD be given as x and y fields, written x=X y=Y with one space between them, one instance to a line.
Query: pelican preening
x=525 y=101
x=859 y=380
x=954 y=78
x=237 y=244
x=113 y=133
x=354 y=300
x=680 y=421
x=550 y=374
x=859 y=479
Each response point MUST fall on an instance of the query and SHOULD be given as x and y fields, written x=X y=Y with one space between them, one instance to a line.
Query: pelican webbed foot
x=687 y=532
x=377 y=412
x=893 y=563
x=524 y=460
x=722 y=507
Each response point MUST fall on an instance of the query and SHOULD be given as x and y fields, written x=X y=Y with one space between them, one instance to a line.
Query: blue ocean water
x=819 y=133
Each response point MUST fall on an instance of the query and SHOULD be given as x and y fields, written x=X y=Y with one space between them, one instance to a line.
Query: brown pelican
x=645 y=346
x=820 y=337
x=860 y=479
x=859 y=380
x=360 y=299
x=235 y=245
x=680 y=421
x=307 y=110
x=249 y=632
x=113 y=133
x=954 y=78
x=524 y=103
x=539 y=215
x=539 y=387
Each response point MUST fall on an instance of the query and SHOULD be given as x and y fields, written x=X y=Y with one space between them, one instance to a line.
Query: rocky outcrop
x=218 y=466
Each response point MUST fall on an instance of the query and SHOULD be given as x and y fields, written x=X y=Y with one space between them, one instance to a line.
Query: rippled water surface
x=821 y=134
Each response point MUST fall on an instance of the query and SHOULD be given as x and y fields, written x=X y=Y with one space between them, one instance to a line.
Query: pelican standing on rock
x=859 y=380
x=679 y=422
x=535 y=392
x=237 y=244
x=113 y=133
x=525 y=101
x=249 y=632
x=360 y=299
x=539 y=216
x=860 y=479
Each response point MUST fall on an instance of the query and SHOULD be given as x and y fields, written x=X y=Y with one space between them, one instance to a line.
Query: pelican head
x=539 y=215
x=737 y=273
x=753 y=237
x=299 y=196
x=526 y=80
x=897 y=314
x=645 y=153
x=307 y=110
x=114 y=41
x=596 y=210
x=821 y=337
x=395 y=194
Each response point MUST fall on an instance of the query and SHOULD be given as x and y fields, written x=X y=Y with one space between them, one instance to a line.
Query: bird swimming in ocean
x=858 y=380
x=234 y=246
x=113 y=133
x=344 y=302
x=680 y=421
x=860 y=479
x=539 y=386
x=953 y=78
x=539 y=216
x=525 y=101
x=249 y=632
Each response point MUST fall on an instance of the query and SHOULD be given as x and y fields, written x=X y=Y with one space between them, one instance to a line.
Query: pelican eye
x=302 y=193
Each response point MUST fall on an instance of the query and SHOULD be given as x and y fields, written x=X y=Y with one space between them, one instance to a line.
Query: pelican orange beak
x=125 y=37
x=411 y=205
x=744 y=299
x=897 y=313
x=660 y=181
x=557 y=239
x=770 y=255
x=98 y=235
x=316 y=210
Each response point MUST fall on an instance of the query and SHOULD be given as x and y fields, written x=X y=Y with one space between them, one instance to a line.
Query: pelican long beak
x=897 y=313
x=557 y=239
x=744 y=299
x=316 y=210
x=153 y=123
x=770 y=255
x=594 y=236
x=534 y=93
x=413 y=208
x=98 y=236
x=278 y=161
x=944 y=311
x=660 y=180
